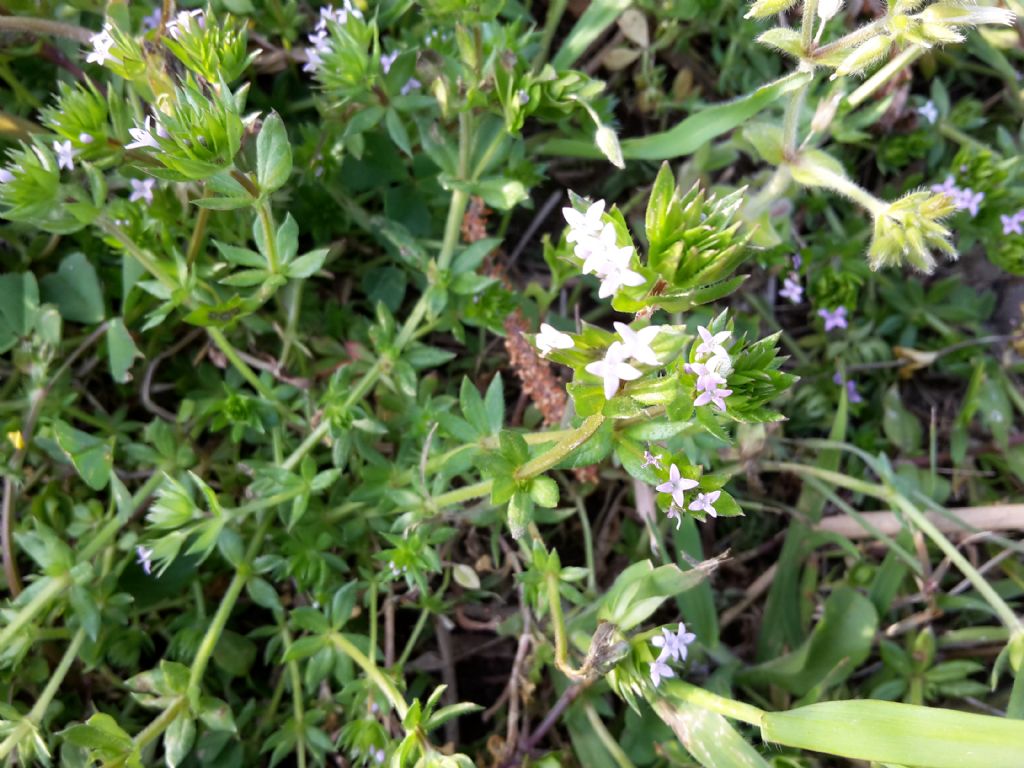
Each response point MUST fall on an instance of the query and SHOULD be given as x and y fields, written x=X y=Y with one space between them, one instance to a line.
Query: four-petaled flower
x=929 y=112
x=835 y=318
x=142 y=190
x=65 y=154
x=637 y=344
x=707 y=376
x=792 y=289
x=969 y=201
x=1012 y=224
x=715 y=396
x=551 y=338
x=184 y=19
x=618 y=273
x=673 y=644
x=711 y=344
x=613 y=369
x=586 y=224
x=676 y=485
x=705 y=502
x=143 y=136
x=410 y=85
x=659 y=670
x=948 y=187
x=145 y=559
x=102 y=42
x=651 y=460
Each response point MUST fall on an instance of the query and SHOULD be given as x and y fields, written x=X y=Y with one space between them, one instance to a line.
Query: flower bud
x=950 y=14
x=908 y=230
x=864 y=55
x=827 y=9
x=762 y=8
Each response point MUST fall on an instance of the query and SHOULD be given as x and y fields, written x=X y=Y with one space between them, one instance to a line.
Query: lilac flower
x=65 y=154
x=969 y=200
x=5 y=176
x=613 y=369
x=711 y=345
x=313 y=60
x=792 y=289
x=551 y=338
x=143 y=136
x=673 y=644
x=798 y=261
x=102 y=42
x=705 y=502
x=651 y=460
x=1012 y=224
x=319 y=41
x=152 y=21
x=142 y=190
x=637 y=344
x=386 y=60
x=851 y=388
x=379 y=756
x=144 y=557
x=676 y=485
x=929 y=112
x=659 y=670
x=410 y=85
x=674 y=513
x=715 y=396
x=948 y=187
x=835 y=318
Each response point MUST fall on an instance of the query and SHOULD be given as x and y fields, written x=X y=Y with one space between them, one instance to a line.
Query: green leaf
x=396 y=130
x=641 y=588
x=19 y=305
x=91 y=456
x=901 y=427
x=307 y=264
x=599 y=15
x=544 y=492
x=75 y=289
x=692 y=133
x=121 y=351
x=840 y=642
x=520 y=514
x=178 y=740
x=273 y=155
x=708 y=736
x=887 y=732
x=102 y=734
x=494 y=404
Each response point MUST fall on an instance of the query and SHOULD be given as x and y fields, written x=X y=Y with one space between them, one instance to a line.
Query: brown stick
x=997 y=517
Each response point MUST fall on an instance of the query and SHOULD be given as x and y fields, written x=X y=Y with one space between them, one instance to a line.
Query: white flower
x=676 y=485
x=673 y=644
x=637 y=344
x=313 y=60
x=716 y=396
x=143 y=136
x=386 y=60
x=586 y=224
x=595 y=250
x=5 y=176
x=142 y=190
x=827 y=9
x=660 y=669
x=929 y=111
x=613 y=369
x=711 y=344
x=720 y=364
x=707 y=377
x=792 y=289
x=705 y=502
x=551 y=338
x=102 y=42
x=184 y=20
x=319 y=41
x=144 y=557
x=65 y=154
x=85 y=138
x=619 y=273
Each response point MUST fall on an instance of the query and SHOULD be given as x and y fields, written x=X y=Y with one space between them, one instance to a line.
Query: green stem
x=870 y=86
x=834 y=478
x=597 y=725
x=297 y=708
x=456 y=211
x=378 y=678
x=856 y=37
x=267 y=503
x=556 y=9
x=561 y=449
x=269 y=236
x=217 y=337
x=807 y=26
x=791 y=121
x=197 y=234
x=459 y=495
x=736 y=710
x=837 y=183
x=46 y=27
x=558 y=625
x=56 y=586
x=922 y=523
x=160 y=724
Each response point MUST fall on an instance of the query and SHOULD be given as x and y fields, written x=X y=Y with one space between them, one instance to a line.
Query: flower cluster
x=319 y=40
x=596 y=242
x=964 y=199
x=102 y=42
x=674 y=647
x=676 y=486
x=634 y=345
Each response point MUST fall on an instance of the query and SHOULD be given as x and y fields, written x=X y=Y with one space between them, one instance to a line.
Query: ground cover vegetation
x=512 y=384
